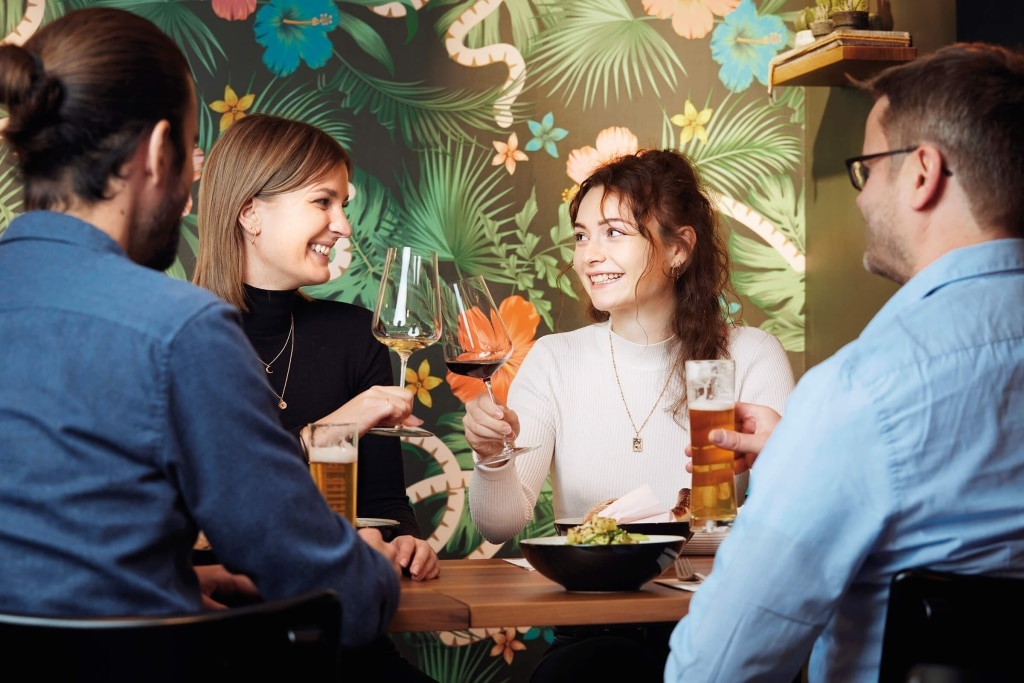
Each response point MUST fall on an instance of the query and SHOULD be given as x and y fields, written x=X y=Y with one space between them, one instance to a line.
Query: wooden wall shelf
x=830 y=67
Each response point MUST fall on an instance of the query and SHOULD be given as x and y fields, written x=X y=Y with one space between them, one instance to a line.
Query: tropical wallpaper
x=471 y=123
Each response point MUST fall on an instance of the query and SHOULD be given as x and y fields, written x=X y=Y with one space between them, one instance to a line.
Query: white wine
x=403 y=343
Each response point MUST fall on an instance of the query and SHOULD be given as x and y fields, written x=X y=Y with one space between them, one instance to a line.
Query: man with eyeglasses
x=906 y=448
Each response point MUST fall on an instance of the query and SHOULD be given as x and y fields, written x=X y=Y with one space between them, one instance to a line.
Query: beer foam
x=333 y=454
x=704 y=404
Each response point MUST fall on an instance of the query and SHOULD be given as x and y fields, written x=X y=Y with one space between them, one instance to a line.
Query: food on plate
x=601 y=531
x=596 y=510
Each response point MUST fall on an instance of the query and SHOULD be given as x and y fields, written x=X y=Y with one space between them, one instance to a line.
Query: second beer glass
x=711 y=402
x=334 y=462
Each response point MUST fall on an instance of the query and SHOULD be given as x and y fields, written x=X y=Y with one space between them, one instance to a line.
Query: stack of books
x=844 y=52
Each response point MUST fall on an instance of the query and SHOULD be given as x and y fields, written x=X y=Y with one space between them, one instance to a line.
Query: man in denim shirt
x=906 y=448
x=128 y=417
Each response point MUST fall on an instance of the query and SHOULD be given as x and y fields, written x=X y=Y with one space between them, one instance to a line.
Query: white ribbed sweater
x=568 y=404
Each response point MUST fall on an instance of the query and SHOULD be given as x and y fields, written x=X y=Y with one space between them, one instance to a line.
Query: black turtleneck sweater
x=336 y=357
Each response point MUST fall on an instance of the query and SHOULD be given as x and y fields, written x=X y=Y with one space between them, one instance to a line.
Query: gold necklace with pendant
x=638 y=442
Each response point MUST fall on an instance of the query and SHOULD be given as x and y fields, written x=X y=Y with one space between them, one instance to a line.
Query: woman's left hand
x=417 y=558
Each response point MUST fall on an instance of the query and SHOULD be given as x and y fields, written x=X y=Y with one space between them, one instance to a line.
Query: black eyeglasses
x=859 y=171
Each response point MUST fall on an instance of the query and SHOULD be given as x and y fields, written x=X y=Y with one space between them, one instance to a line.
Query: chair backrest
x=292 y=639
x=953 y=628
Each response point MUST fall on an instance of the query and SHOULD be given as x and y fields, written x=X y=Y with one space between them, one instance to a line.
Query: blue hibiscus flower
x=744 y=44
x=295 y=29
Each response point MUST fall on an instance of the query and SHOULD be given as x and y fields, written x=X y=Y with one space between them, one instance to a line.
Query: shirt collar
x=978 y=260
x=54 y=226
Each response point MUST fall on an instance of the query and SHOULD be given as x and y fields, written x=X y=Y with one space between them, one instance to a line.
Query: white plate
x=376 y=522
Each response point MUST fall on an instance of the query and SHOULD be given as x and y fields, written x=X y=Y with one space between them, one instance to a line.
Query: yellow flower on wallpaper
x=506 y=645
x=690 y=18
x=508 y=153
x=692 y=122
x=232 y=107
x=612 y=143
x=521 y=319
x=420 y=383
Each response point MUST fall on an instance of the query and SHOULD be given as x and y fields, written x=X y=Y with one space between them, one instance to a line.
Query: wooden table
x=495 y=593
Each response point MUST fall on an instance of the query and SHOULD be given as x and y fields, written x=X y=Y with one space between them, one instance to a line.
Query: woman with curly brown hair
x=605 y=405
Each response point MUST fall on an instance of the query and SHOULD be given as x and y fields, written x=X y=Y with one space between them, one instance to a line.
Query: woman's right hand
x=378 y=406
x=487 y=425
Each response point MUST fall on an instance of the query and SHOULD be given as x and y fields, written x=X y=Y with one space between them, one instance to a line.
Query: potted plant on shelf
x=849 y=14
x=822 y=24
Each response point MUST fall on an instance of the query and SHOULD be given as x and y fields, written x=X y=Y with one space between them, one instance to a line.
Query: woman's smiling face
x=297 y=231
x=621 y=270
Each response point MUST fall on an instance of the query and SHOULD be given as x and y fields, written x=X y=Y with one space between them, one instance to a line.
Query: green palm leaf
x=454 y=209
x=424 y=116
x=366 y=38
x=761 y=274
x=179 y=22
x=598 y=45
x=308 y=103
x=746 y=143
x=10 y=188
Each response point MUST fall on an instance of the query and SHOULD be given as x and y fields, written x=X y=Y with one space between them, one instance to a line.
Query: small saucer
x=375 y=523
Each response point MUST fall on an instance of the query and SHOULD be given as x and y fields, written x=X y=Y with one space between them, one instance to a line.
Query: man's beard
x=160 y=232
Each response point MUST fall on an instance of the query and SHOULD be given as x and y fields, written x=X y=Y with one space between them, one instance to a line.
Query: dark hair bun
x=33 y=99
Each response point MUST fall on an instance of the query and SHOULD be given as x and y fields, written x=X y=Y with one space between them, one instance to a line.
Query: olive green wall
x=841 y=296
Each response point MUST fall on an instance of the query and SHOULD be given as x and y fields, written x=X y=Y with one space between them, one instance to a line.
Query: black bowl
x=562 y=527
x=624 y=567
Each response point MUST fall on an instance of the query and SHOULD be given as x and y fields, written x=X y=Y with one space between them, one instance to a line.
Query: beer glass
x=711 y=401
x=333 y=451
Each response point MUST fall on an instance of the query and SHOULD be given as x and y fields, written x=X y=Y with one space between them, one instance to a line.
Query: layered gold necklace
x=287 y=373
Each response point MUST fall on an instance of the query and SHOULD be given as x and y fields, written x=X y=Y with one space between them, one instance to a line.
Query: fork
x=684 y=570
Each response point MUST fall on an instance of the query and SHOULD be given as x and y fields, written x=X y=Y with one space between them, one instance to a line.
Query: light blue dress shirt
x=904 y=449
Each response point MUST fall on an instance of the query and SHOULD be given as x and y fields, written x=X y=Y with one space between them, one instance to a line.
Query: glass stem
x=504 y=439
x=404 y=357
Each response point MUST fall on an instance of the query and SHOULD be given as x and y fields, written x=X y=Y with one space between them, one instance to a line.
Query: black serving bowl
x=601 y=567
x=562 y=527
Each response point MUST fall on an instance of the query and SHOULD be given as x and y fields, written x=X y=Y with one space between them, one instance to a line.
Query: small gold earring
x=252 y=238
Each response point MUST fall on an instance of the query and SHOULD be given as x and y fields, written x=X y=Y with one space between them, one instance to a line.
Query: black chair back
x=953 y=628
x=293 y=639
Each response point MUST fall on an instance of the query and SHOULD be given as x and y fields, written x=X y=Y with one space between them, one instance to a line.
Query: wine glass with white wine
x=476 y=343
x=407 y=316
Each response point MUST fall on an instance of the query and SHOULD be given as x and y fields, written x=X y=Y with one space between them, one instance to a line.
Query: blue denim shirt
x=904 y=449
x=132 y=414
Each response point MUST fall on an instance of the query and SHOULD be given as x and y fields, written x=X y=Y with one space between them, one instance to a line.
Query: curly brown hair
x=663 y=192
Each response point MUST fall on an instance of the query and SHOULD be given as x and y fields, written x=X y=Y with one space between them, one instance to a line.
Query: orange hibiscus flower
x=612 y=143
x=521 y=319
x=690 y=18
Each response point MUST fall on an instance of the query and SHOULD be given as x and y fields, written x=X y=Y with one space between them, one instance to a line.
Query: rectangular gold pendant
x=638 y=444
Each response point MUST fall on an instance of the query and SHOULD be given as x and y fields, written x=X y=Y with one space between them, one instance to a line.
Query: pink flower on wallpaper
x=690 y=18
x=612 y=143
x=234 y=10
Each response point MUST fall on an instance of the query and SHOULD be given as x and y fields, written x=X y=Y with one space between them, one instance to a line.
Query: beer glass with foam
x=711 y=401
x=333 y=451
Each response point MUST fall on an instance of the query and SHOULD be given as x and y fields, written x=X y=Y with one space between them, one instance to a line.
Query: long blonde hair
x=258 y=156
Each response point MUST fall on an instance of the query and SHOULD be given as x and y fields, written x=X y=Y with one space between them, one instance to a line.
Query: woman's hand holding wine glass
x=407 y=316
x=476 y=343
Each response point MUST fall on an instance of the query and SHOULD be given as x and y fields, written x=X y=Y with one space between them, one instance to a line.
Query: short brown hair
x=967 y=99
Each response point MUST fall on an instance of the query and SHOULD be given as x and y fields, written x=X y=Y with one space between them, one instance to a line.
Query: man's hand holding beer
x=754 y=424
